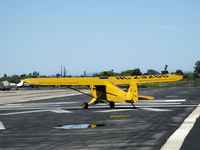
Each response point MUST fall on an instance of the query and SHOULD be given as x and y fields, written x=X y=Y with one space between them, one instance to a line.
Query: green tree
x=152 y=72
x=14 y=79
x=58 y=75
x=105 y=74
x=179 y=72
x=35 y=74
x=23 y=76
x=131 y=72
x=197 y=67
x=5 y=75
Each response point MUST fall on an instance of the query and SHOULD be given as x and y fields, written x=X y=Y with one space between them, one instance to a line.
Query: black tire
x=112 y=104
x=134 y=107
x=85 y=105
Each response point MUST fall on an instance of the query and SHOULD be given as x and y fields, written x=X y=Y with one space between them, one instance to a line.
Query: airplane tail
x=132 y=94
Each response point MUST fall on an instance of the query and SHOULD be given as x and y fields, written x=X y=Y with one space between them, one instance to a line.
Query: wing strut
x=79 y=91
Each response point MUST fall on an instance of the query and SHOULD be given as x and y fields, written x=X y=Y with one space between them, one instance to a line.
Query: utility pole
x=61 y=71
x=64 y=71
x=84 y=74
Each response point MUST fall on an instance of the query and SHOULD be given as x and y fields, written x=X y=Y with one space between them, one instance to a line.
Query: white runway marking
x=176 y=140
x=156 y=109
x=23 y=112
x=164 y=100
x=158 y=103
x=114 y=110
x=60 y=111
x=2 y=127
x=34 y=105
x=35 y=111
x=175 y=100
x=166 y=106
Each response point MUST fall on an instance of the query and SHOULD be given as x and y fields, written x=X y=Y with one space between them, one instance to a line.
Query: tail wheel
x=85 y=105
x=112 y=104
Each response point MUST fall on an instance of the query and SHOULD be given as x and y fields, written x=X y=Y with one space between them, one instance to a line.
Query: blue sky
x=98 y=35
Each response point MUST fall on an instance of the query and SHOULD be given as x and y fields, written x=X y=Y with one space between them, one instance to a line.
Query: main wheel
x=85 y=105
x=112 y=104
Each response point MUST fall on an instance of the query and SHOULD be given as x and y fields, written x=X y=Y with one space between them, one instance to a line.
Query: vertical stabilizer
x=132 y=93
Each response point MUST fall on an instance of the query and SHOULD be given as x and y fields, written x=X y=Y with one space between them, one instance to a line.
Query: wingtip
x=30 y=80
x=179 y=77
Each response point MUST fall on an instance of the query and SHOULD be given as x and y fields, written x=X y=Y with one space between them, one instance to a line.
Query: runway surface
x=61 y=123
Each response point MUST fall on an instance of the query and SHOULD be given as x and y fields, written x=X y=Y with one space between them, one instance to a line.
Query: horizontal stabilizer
x=146 y=97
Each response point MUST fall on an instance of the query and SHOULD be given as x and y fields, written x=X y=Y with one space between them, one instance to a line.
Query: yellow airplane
x=105 y=88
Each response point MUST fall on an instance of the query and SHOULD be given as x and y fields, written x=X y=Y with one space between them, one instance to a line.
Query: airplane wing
x=103 y=81
x=65 y=81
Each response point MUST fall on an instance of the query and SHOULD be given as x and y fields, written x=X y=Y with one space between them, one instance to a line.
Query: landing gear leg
x=134 y=107
x=112 y=104
x=85 y=105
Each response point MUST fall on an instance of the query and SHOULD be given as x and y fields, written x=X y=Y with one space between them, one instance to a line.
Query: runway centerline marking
x=2 y=127
x=176 y=140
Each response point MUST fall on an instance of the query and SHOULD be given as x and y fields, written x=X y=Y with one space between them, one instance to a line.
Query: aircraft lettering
x=142 y=77
x=123 y=78
x=127 y=78
x=136 y=77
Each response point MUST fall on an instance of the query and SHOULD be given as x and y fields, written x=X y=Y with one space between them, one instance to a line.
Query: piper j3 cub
x=106 y=88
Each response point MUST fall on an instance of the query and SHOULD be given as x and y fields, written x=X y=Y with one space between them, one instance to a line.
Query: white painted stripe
x=142 y=103
x=2 y=127
x=73 y=94
x=138 y=106
x=156 y=109
x=23 y=112
x=158 y=103
x=32 y=105
x=164 y=100
x=60 y=111
x=155 y=106
x=34 y=111
x=176 y=140
x=130 y=106
x=177 y=100
x=114 y=110
x=165 y=106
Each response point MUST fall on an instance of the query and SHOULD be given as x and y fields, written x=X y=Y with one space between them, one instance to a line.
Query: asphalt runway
x=61 y=123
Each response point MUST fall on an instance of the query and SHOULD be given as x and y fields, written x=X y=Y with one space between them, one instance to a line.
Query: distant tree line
x=137 y=71
x=130 y=72
x=18 y=78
